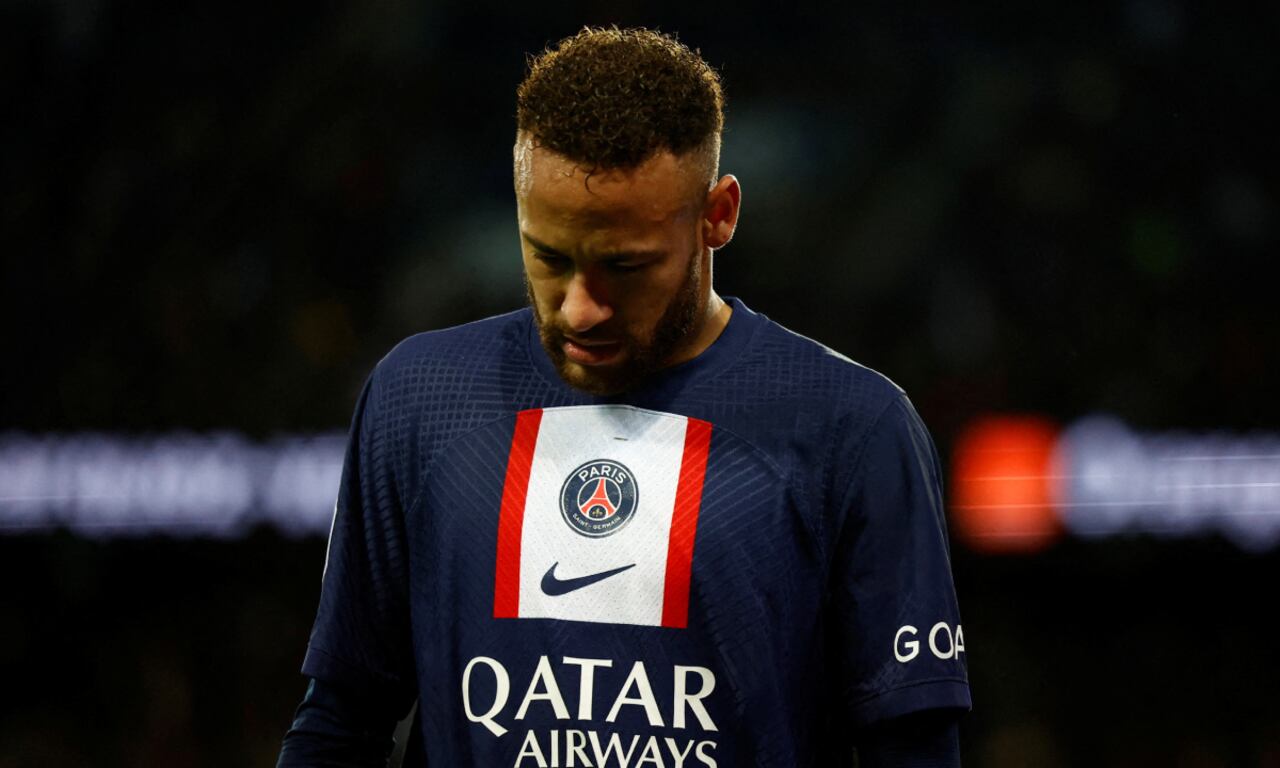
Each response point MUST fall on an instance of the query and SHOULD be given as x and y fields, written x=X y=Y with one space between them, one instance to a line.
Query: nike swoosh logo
x=554 y=587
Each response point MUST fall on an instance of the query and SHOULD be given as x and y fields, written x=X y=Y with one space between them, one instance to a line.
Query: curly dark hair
x=610 y=98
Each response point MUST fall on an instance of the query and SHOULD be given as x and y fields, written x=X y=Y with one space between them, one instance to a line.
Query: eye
x=552 y=262
x=627 y=267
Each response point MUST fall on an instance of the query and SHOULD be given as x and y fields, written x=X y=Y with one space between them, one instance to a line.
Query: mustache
x=599 y=334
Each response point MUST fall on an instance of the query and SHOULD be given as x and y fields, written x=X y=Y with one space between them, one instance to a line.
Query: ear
x=720 y=212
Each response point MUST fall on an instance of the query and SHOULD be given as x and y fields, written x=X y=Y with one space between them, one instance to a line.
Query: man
x=635 y=524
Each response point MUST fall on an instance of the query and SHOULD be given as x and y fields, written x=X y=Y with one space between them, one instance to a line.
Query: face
x=617 y=266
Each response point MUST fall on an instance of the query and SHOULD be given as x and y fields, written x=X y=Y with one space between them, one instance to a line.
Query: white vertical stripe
x=649 y=444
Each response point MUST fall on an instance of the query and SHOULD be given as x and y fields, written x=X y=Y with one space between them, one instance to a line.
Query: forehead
x=552 y=187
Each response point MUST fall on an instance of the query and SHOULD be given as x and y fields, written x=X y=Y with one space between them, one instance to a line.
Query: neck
x=713 y=322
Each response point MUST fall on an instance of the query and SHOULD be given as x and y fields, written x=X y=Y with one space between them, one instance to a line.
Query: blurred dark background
x=220 y=217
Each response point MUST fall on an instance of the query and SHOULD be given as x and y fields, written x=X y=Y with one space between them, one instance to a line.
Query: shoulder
x=436 y=385
x=474 y=346
x=786 y=365
x=442 y=369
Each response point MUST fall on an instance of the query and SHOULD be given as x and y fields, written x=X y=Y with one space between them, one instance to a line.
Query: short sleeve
x=361 y=636
x=898 y=640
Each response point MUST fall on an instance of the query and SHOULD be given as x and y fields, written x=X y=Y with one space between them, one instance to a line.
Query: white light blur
x=1110 y=480
x=216 y=485
x=1170 y=485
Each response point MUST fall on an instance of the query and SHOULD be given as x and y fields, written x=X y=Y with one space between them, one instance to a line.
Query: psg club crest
x=598 y=498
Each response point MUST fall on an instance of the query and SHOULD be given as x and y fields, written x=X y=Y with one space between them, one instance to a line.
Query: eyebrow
x=544 y=248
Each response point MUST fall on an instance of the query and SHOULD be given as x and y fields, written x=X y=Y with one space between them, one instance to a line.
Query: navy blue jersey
x=740 y=563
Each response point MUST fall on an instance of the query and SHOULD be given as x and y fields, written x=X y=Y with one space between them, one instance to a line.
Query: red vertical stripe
x=506 y=577
x=684 y=524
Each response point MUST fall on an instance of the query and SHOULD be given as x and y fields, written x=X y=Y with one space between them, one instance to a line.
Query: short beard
x=675 y=328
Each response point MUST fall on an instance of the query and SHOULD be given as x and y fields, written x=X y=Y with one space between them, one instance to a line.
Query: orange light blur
x=1004 y=484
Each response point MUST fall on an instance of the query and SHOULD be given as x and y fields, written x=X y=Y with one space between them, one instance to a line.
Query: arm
x=339 y=726
x=359 y=656
x=896 y=636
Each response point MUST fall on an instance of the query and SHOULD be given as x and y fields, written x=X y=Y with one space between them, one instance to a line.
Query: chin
x=614 y=379
x=593 y=381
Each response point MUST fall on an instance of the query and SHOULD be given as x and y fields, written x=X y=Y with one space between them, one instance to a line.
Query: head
x=620 y=204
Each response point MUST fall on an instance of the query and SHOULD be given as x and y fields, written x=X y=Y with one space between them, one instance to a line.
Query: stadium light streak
x=1060 y=506
x=1220 y=485
x=1244 y=457
x=1020 y=483
x=1001 y=478
x=217 y=485
x=1017 y=484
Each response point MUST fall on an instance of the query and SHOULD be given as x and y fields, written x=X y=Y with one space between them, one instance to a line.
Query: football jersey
x=742 y=562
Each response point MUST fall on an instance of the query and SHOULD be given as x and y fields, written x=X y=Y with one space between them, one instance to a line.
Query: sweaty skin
x=618 y=262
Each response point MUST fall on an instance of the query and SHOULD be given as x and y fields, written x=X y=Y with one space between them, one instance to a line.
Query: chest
x=616 y=515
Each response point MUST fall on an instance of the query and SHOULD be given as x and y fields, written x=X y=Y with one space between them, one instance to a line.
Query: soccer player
x=636 y=523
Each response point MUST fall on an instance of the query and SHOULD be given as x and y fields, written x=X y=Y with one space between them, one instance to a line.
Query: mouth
x=591 y=353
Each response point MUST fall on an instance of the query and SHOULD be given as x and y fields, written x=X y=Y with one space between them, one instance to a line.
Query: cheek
x=648 y=300
x=544 y=292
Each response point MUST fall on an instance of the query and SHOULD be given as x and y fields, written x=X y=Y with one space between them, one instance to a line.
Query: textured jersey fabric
x=353 y=729
x=741 y=563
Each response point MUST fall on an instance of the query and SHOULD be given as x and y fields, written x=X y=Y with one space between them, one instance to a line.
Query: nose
x=585 y=306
